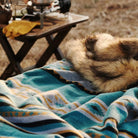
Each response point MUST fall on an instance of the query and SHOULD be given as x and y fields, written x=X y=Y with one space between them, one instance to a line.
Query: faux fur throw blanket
x=110 y=63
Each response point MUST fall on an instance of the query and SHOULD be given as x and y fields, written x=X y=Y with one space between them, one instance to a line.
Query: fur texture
x=110 y=63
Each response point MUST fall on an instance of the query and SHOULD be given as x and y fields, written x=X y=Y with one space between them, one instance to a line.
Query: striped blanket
x=55 y=102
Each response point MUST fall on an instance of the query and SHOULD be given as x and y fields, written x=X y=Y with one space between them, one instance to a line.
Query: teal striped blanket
x=55 y=102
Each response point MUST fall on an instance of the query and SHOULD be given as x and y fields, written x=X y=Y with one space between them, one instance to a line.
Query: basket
x=5 y=15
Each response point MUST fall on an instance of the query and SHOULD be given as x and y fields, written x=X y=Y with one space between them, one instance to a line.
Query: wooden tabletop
x=53 y=23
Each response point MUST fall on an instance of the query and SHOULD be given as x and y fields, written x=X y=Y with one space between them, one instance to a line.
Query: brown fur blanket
x=110 y=63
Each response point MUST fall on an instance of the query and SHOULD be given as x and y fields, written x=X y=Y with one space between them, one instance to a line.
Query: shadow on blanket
x=54 y=101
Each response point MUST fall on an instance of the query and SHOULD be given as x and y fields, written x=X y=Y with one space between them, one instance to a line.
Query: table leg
x=9 y=52
x=53 y=45
x=15 y=60
x=58 y=52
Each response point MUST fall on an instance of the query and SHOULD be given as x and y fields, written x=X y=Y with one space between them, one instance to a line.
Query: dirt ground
x=119 y=18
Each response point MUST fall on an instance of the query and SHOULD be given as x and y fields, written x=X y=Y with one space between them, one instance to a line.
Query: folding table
x=54 y=34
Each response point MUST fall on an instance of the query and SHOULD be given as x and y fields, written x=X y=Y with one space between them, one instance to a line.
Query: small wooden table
x=54 y=33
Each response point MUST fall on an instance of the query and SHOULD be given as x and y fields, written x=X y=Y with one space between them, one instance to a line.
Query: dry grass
x=118 y=18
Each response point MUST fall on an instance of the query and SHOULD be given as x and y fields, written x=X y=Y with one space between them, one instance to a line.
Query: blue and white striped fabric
x=55 y=102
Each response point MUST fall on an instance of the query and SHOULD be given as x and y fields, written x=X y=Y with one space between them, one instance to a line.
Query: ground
x=119 y=18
